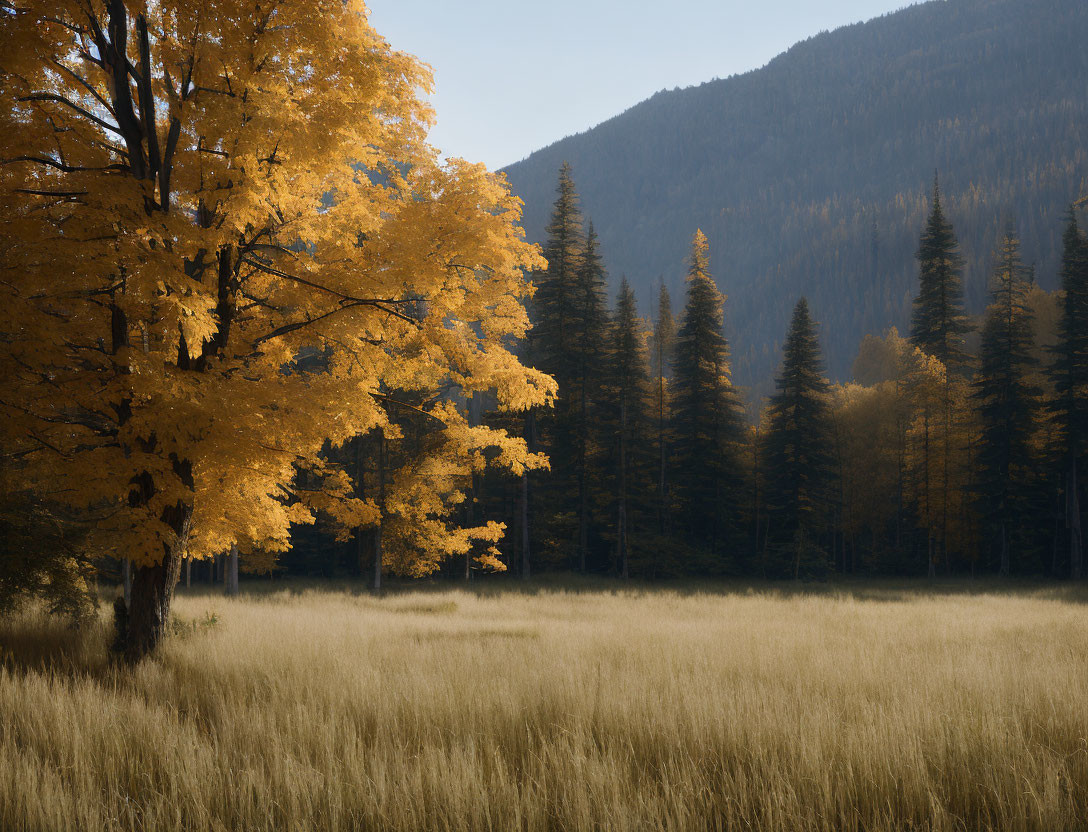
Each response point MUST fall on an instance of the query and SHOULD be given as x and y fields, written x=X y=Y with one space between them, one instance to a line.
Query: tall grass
x=598 y=709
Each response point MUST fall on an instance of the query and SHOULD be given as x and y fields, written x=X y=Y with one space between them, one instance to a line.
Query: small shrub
x=185 y=627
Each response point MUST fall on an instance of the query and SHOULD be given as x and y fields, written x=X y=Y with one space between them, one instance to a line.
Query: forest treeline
x=804 y=174
x=958 y=447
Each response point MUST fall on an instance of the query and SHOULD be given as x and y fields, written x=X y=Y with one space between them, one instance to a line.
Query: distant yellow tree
x=224 y=237
x=921 y=418
x=865 y=421
x=941 y=439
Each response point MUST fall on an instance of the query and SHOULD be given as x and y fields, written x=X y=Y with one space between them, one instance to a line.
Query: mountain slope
x=810 y=175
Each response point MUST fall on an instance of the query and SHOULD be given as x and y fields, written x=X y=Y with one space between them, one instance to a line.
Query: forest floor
x=559 y=705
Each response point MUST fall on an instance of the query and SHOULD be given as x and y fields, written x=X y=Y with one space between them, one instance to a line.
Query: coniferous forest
x=955 y=448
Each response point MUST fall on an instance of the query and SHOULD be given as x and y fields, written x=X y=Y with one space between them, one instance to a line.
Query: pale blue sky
x=515 y=76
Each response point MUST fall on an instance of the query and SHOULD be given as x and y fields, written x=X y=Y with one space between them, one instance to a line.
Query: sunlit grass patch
x=569 y=706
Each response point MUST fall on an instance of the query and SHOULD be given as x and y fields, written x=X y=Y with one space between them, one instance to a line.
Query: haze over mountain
x=812 y=174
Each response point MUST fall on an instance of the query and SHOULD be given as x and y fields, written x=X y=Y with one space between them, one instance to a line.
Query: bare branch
x=53 y=163
x=377 y=303
x=45 y=96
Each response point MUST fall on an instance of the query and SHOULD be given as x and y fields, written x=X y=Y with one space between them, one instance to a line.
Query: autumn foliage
x=226 y=244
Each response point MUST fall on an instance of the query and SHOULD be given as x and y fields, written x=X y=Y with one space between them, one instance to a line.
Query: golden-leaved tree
x=225 y=239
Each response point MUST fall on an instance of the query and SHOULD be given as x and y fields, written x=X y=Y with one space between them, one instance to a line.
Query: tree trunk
x=232 y=570
x=381 y=519
x=475 y=405
x=530 y=430
x=797 y=556
x=360 y=494
x=148 y=614
x=378 y=558
x=525 y=525
x=945 y=474
x=126 y=580
x=621 y=531
x=583 y=523
x=661 y=494
x=755 y=486
x=471 y=511
x=1076 y=542
x=1004 y=568
x=188 y=572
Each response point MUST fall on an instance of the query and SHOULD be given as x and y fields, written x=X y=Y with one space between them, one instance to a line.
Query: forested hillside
x=810 y=175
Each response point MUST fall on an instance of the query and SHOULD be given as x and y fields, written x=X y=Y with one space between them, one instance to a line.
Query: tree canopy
x=226 y=241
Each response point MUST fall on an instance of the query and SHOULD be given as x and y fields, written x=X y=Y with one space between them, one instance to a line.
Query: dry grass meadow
x=586 y=707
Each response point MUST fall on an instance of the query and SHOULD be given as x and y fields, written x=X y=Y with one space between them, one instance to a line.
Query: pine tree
x=554 y=301
x=627 y=417
x=552 y=348
x=939 y=327
x=1008 y=403
x=707 y=422
x=1070 y=377
x=939 y=324
x=797 y=443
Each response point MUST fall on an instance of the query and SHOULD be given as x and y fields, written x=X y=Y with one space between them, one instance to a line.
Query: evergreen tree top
x=699 y=265
x=802 y=364
x=703 y=311
x=628 y=328
x=565 y=226
x=664 y=333
x=664 y=303
x=797 y=442
x=1007 y=335
x=939 y=323
x=591 y=253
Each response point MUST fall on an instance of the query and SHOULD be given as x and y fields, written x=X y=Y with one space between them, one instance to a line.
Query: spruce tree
x=707 y=422
x=797 y=445
x=938 y=323
x=1007 y=403
x=938 y=329
x=630 y=453
x=588 y=343
x=553 y=302
x=1070 y=376
x=547 y=529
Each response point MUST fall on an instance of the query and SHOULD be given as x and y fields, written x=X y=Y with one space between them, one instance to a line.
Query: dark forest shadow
x=884 y=590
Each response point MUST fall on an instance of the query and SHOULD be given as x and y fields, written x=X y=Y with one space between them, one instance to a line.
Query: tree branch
x=59 y=99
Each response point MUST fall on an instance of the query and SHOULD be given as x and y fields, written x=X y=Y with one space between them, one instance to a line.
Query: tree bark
x=470 y=509
x=381 y=519
x=530 y=435
x=525 y=525
x=232 y=570
x=475 y=405
x=360 y=493
x=1004 y=569
x=153 y=591
x=126 y=580
x=622 y=520
x=1076 y=542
